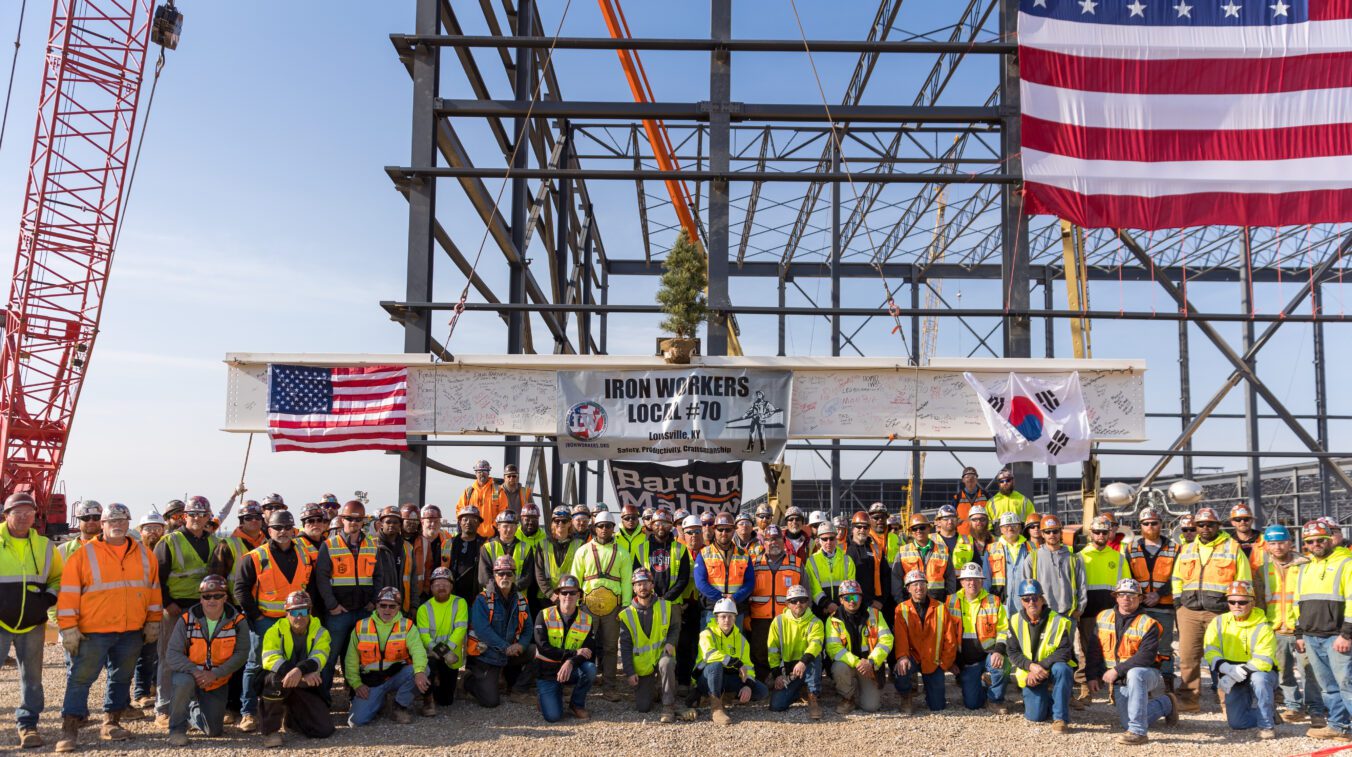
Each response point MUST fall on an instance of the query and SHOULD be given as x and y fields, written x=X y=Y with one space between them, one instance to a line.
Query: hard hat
x=691 y=521
x=1240 y=511
x=605 y=517
x=978 y=511
x=917 y=519
x=1101 y=523
x=482 y=465
x=648 y=514
x=894 y=520
x=211 y=583
x=840 y=522
x=580 y=509
x=89 y=508
x=281 y=519
x=1150 y=513
x=827 y=528
x=1030 y=588
x=850 y=586
x=296 y=600
x=408 y=512
x=250 y=509
x=771 y=531
x=560 y=513
x=274 y=500
x=390 y=594
x=723 y=519
x=469 y=511
x=797 y=591
x=631 y=510
x=1316 y=529
x=1240 y=589
x=706 y=518
x=503 y=563
x=353 y=507
x=969 y=469
x=662 y=516
x=441 y=574
x=1127 y=586
x=971 y=570
x=877 y=508
x=506 y=516
x=568 y=582
x=529 y=510
x=197 y=505
x=509 y=468
x=599 y=507
x=743 y=516
x=329 y=499
x=1185 y=521
x=430 y=511
x=388 y=512
x=1206 y=515
x=173 y=507
x=1276 y=532
x=725 y=606
x=1009 y=519
x=312 y=510
x=18 y=499
x=860 y=518
x=764 y=511
x=640 y=574
x=815 y=517
x=1034 y=519
x=152 y=518
x=914 y=577
x=1330 y=522
x=117 y=511
x=947 y=511
x=793 y=512
x=680 y=515
x=1050 y=521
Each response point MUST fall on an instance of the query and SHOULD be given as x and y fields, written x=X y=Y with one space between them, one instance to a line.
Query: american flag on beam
x=314 y=409
x=1155 y=114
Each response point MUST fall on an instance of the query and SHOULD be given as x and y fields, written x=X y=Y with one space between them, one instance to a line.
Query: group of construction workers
x=669 y=610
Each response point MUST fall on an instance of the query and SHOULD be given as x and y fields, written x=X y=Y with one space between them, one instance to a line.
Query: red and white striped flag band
x=316 y=409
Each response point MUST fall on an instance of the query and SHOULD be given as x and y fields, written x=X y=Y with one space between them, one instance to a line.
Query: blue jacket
x=503 y=632
x=712 y=594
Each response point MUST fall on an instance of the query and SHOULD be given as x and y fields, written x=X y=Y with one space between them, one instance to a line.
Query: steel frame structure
x=770 y=198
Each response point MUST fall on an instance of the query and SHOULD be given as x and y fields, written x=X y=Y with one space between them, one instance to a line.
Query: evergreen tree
x=681 y=295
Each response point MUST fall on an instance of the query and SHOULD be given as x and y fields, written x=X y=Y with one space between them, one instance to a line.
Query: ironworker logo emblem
x=586 y=421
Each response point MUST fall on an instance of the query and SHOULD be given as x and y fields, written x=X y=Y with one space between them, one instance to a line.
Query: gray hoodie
x=1057 y=572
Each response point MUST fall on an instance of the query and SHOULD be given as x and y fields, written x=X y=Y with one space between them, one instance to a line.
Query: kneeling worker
x=385 y=655
x=565 y=651
x=795 y=644
x=649 y=632
x=1240 y=649
x=858 y=642
x=1042 y=650
x=928 y=632
x=724 y=662
x=443 y=622
x=1124 y=653
x=294 y=656
x=209 y=644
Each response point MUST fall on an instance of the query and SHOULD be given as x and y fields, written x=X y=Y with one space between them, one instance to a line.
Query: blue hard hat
x=1029 y=588
x=1276 y=532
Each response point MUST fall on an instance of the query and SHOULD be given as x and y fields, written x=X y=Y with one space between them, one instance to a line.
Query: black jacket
x=1023 y=658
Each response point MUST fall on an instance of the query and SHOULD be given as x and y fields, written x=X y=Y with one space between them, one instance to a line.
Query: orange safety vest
x=1117 y=650
x=964 y=506
x=1281 y=592
x=934 y=567
x=934 y=636
x=207 y=654
x=476 y=647
x=371 y=654
x=987 y=618
x=311 y=551
x=350 y=570
x=1158 y=579
x=726 y=571
x=997 y=555
x=771 y=595
x=490 y=499
x=1212 y=578
x=271 y=588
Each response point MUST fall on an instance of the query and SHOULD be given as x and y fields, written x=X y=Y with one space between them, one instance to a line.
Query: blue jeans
x=253 y=668
x=935 y=699
x=974 y=692
x=1141 y=700
x=781 y=699
x=116 y=650
x=550 y=690
x=146 y=665
x=1050 y=700
x=1331 y=670
x=191 y=706
x=340 y=630
x=716 y=679
x=1166 y=620
x=366 y=710
x=1250 y=703
x=1288 y=661
x=28 y=651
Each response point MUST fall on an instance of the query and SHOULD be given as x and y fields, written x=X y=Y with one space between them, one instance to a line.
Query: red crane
x=87 y=108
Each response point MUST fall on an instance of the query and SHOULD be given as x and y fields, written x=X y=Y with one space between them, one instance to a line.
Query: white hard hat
x=605 y=516
x=725 y=605
x=691 y=521
x=152 y=518
x=815 y=517
x=971 y=570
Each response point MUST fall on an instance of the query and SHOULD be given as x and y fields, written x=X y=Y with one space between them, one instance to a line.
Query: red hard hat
x=409 y=512
x=918 y=519
x=860 y=518
x=629 y=510
x=389 y=511
x=353 y=507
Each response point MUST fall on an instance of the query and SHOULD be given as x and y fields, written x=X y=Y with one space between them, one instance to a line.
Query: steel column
x=835 y=303
x=720 y=143
x=1014 y=247
x=585 y=294
x=1049 y=351
x=1321 y=400
x=782 y=285
x=1184 y=393
x=522 y=88
x=1255 y=493
x=915 y=482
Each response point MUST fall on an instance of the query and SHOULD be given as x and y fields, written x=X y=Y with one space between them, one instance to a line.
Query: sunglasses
x=605 y=525
x=1029 y=600
x=353 y=518
x=300 y=613
x=799 y=601
x=569 y=593
x=920 y=528
x=826 y=538
x=724 y=529
x=1003 y=480
x=1189 y=530
x=793 y=518
x=503 y=573
x=860 y=526
x=849 y=598
x=387 y=606
x=1240 y=603
x=88 y=518
x=1312 y=542
x=628 y=517
x=1097 y=531
x=248 y=518
x=1150 y=523
x=1241 y=520
x=212 y=597
x=308 y=521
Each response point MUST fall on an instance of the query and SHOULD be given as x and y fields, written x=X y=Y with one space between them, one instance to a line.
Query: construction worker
x=928 y=633
x=1150 y=558
x=443 y=624
x=888 y=543
x=692 y=611
x=109 y=607
x=554 y=556
x=394 y=558
x=1336 y=533
x=668 y=563
x=515 y=497
x=565 y=653
x=980 y=658
x=344 y=576
x=979 y=522
x=707 y=522
x=724 y=662
x=1007 y=500
x=744 y=533
x=173 y=515
x=183 y=555
x=294 y=655
x=462 y=554
x=248 y=535
x=90 y=515
x=151 y=527
x=1041 y=647
x=266 y=576
x=1124 y=656
x=506 y=543
x=605 y=570
x=1278 y=573
x=499 y=640
x=1059 y=572
x=485 y=495
x=1241 y=653
x=1032 y=530
x=959 y=546
x=1323 y=613
x=765 y=516
x=411 y=523
x=926 y=554
x=206 y=648
x=774 y=573
x=871 y=567
x=1005 y=553
x=858 y=642
x=630 y=535
x=314 y=525
x=582 y=525
x=723 y=571
x=1103 y=567
x=1249 y=539
x=272 y=503
x=1187 y=530
x=970 y=494
x=650 y=628
x=30 y=581
x=826 y=570
x=385 y=656
x=428 y=549
x=530 y=532
x=796 y=642
x=1203 y=571
x=797 y=540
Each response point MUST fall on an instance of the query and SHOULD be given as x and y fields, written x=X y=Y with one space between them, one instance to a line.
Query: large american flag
x=313 y=409
x=1156 y=114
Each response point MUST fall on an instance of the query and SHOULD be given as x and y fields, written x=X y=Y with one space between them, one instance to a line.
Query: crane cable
x=140 y=141
x=13 y=63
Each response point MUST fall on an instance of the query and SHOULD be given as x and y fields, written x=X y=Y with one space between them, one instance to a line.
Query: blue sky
x=262 y=221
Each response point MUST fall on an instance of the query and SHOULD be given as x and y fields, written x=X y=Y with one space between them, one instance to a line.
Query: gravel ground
x=615 y=729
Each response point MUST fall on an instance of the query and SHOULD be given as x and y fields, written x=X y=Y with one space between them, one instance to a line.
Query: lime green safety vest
x=577 y=632
x=445 y=623
x=186 y=569
x=648 y=647
x=277 y=644
x=1057 y=627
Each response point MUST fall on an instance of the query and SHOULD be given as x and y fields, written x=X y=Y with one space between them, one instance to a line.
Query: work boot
x=668 y=715
x=29 y=738
x=132 y=713
x=1059 y=726
x=1188 y=704
x=580 y=713
x=905 y=706
x=162 y=720
x=1267 y=734
x=814 y=710
x=1318 y=721
x=272 y=740
x=1328 y=734
x=248 y=723
x=1172 y=717
x=688 y=714
x=230 y=718
x=999 y=708
x=178 y=739
x=429 y=707
x=1294 y=716
x=145 y=702
x=1132 y=739
x=112 y=729
x=845 y=707
x=70 y=734
x=720 y=716
x=402 y=716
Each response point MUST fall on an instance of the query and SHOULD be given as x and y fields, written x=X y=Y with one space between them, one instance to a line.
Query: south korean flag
x=1035 y=419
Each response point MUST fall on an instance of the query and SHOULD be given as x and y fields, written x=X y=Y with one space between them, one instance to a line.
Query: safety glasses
x=1098 y=531
x=353 y=518
x=298 y=613
x=798 y=601
x=1239 y=603
x=849 y=598
x=249 y=518
x=724 y=529
x=1150 y=523
x=312 y=521
x=1029 y=600
x=387 y=606
x=212 y=597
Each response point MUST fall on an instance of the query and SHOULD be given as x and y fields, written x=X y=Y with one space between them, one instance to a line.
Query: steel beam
x=401 y=173
x=1321 y=399
x=579 y=110
x=720 y=143
x=404 y=42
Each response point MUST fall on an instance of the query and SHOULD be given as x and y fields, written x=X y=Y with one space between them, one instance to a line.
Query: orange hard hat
x=353 y=507
x=918 y=519
x=860 y=517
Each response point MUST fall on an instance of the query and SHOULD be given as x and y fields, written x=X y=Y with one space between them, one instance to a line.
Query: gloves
x=1239 y=673
x=1225 y=668
x=450 y=658
x=1226 y=683
x=151 y=632
x=70 y=640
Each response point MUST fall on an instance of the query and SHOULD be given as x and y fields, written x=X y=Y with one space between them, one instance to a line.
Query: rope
x=136 y=161
x=9 y=89
x=507 y=175
x=247 y=450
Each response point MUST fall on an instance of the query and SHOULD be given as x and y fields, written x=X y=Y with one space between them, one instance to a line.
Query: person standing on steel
x=485 y=495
